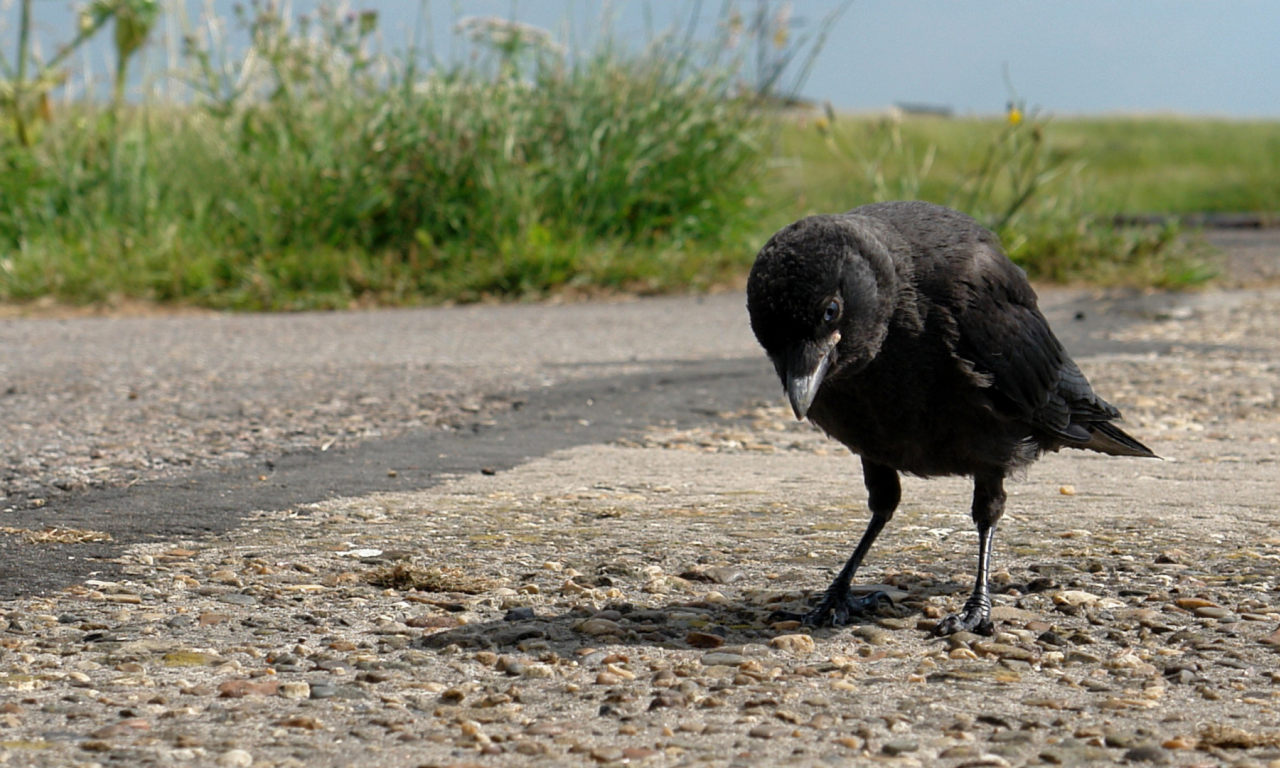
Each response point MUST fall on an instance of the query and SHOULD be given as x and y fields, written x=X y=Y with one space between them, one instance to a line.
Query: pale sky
x=1066 y=56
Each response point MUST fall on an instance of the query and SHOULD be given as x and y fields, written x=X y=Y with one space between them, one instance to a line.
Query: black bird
x=903 y=331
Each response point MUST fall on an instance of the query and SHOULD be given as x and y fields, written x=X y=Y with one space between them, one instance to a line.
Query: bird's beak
x=807 y=363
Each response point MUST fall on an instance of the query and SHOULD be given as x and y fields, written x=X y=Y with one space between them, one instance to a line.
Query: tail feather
x=1105 y=437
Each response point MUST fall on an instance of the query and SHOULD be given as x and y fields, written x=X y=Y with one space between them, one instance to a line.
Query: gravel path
x=89 y=403
x=612 y=604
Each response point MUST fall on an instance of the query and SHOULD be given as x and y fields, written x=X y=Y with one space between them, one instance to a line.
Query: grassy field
x=1152 y=164
x=320 y=175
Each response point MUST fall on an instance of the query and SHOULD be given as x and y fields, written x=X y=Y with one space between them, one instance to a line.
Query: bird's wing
x=1001 y=335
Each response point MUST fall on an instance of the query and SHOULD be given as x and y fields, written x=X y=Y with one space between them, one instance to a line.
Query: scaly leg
x=988 y=507
x=838 y=607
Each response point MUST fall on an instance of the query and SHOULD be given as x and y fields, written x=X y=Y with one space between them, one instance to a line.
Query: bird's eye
x=833 y=312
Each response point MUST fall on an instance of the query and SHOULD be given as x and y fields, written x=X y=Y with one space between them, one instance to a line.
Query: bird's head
x=820 y=296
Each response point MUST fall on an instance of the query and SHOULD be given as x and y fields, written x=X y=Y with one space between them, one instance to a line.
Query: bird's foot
x=975 y=618
x=839 y=608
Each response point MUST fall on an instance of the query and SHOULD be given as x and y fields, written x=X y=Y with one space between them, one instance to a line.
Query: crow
x=903 y=331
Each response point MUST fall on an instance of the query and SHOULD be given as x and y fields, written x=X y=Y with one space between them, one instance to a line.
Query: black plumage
x=904 y=332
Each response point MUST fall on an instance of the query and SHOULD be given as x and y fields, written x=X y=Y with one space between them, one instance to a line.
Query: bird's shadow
x=702 y=626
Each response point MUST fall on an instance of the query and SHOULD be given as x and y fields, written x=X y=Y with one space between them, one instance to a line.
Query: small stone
x=190 y=659
x=724 y=574
x=798 y=644
x=873 y=635
x=213 y=619
x=722 y=658
x=704 y=640
x=305 y=723
x=235 y=689
x=1192 y=603
x=1212 y=612
x=236 y=598
x=987 y=760
x=1076 y=753
x=1004 y=651
x=607 y=754
x=769 y=731
x=235 y=758
x=545 y=729
x=122 y=728
x=669 y=699
x=1147 y=753
x=520 y=614
x=1075 y=597
x=597 y=627
x=537 y=672
x=295 y=690
x=1182 y=676
x=897 y=625
x=900 y=747
x=323 y=691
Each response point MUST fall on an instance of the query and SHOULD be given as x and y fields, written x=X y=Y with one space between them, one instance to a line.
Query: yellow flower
x=1015 y=115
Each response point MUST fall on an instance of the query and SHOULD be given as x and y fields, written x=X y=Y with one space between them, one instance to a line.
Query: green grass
x=514 y=177
x=339 y=179
x=1092 y=169
x=1157 y=164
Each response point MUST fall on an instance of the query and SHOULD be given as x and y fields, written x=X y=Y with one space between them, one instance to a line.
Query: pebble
x=725 y=574
x=235 y=689
x=873 y=635
x=987 y=760
x=769 y=731
x=722 y=658
x=797 y=644
x=607 y=754
x=322 y=691
x=1147 y=754
x=1004 y=651
x=899 y=747
x=704 y=640
x=295 y=690
x=236 y=598
x=235 y=758
x=1212 y=612
x=1075 y=597
x=597 y=627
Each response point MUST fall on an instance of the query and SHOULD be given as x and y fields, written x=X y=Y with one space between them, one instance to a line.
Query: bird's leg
x=838 y=606
x=988 y=507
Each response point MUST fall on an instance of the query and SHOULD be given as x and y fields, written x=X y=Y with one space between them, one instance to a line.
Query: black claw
x=975 y=618
x=840 y=609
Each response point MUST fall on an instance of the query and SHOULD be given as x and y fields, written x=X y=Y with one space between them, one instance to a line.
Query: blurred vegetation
x=310 y=170
x=1050 y=189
